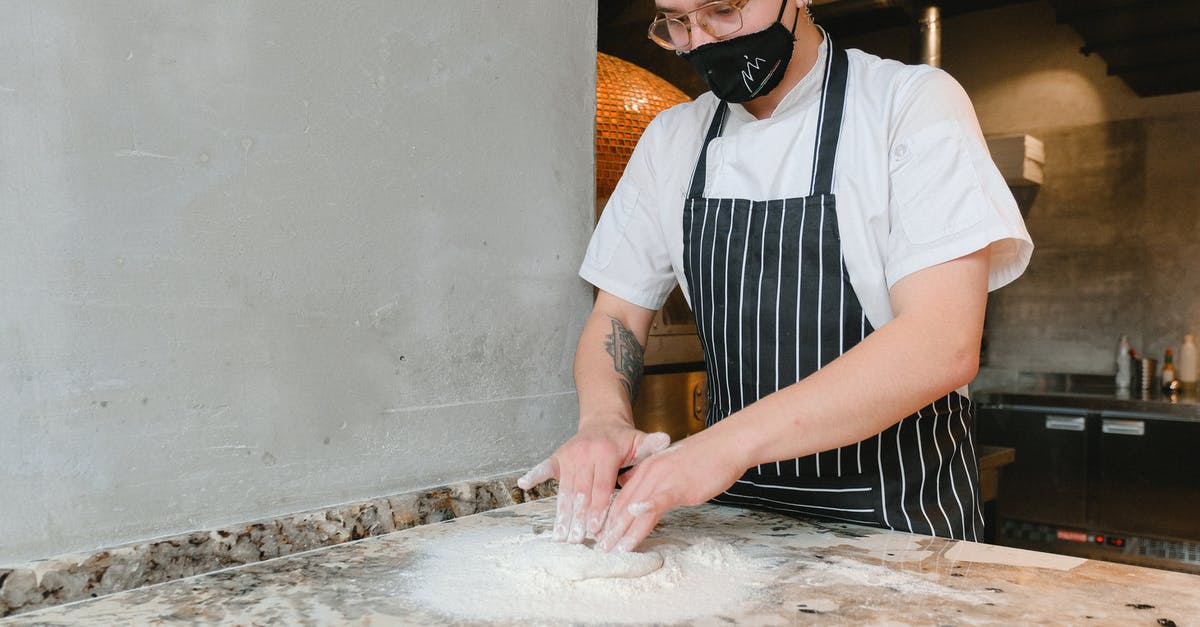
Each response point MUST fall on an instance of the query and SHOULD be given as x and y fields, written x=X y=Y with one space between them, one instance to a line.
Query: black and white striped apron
x=773 y=303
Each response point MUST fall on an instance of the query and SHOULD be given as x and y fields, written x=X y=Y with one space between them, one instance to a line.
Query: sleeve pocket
x=935 y=187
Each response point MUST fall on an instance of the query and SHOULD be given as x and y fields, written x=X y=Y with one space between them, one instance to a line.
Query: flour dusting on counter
x=577 y=562
x=487 y=574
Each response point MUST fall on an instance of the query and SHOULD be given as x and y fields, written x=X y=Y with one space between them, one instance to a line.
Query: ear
x=805 y=7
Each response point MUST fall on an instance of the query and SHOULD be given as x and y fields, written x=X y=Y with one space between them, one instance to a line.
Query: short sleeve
x=947 y=199
x=628 y=254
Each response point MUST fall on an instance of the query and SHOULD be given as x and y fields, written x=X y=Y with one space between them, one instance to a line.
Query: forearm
x=928 y=350
x=609 y=361
x=854 y=397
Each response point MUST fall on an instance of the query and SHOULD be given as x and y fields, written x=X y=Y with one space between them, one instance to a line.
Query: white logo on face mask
x=747 y=74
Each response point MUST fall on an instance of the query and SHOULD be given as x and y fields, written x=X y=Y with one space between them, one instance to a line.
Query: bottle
x=1168 y=370
x=1123 y=363
x=1188 y=363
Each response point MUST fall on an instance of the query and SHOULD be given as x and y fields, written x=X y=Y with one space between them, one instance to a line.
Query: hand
x=689 y=473
x=586 y=467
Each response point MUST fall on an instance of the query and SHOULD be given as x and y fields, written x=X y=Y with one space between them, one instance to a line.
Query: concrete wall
x=1117 y=222
x=258 y=257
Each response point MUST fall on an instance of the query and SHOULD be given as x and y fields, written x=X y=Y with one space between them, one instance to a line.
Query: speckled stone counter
x=812 y=572
x=72 y=577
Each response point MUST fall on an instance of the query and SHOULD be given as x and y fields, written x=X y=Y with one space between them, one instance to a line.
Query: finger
x=631 y=472
x=615 y=527
x=644 y=516
x=564 y=502
x=542 y=472
x=619 y=518
x=602 y=491
x=651 y=444
x=640 y=508
x=577 y=524
x=624 y=478
x=625 y=522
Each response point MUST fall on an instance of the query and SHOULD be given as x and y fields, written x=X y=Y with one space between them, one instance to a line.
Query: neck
x=804 y=56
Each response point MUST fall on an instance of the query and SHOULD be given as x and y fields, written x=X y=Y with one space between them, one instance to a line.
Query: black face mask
x=746 y=67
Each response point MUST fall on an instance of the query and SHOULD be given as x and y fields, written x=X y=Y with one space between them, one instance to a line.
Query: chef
x=836 y=222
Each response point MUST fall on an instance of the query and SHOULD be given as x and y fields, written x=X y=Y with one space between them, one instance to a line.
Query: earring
x=808 y=11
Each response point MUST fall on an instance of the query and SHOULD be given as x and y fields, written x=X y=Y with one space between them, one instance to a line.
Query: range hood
x=1152 y=45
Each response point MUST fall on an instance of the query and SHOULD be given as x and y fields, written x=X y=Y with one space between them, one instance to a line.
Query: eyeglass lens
x=719 y=19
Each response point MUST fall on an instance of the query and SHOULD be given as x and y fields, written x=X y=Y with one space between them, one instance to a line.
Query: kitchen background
x=262 y=258
x=1116 y=223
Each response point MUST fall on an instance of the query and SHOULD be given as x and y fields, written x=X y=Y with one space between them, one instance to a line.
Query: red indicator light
x=1099 y=539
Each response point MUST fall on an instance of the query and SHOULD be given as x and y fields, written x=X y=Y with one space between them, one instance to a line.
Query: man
x=839 y=337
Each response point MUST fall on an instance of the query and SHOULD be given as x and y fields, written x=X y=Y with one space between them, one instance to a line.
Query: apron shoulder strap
x=714 y=129
x=829 y=120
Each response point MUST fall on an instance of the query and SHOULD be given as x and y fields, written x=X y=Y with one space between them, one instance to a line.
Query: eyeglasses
x=719 y=19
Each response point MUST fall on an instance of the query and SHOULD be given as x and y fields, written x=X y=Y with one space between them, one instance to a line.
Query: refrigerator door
x=1146 y=476
x=1048 y=480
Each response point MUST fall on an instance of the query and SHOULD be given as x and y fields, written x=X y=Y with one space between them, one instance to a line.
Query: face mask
x=745 y=67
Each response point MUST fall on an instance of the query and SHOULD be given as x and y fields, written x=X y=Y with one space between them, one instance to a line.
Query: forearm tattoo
x=627 y=355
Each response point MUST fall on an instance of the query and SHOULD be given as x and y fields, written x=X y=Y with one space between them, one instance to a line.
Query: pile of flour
x=507 y=573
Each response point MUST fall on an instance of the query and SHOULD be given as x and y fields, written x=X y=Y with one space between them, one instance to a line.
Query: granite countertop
x=749 y=567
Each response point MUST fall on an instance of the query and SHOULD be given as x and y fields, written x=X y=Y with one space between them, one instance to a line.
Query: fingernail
x=626 y=545
x=560 y=521
x=606 y=541
x=576 y=531
x=578 y=516
x=594 y=524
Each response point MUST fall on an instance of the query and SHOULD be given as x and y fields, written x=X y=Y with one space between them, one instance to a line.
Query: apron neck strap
x=714 y=130
x=829 y=121
x=829 y=126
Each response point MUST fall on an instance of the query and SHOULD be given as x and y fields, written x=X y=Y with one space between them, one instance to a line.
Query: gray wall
x=258 y=257
x=1117 y=222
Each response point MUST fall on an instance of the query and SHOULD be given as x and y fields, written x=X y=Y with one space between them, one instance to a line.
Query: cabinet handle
x=1124 y=427
x=700 y=403
x=1066 y=423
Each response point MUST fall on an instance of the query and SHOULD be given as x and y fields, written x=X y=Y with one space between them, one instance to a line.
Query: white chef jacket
x=913 y=181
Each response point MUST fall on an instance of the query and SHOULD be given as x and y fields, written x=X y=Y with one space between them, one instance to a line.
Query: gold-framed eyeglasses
x=720 y=19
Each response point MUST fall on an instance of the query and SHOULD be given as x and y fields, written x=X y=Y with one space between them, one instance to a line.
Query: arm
x=609 y=360
x=929 y=349
x=608 y=371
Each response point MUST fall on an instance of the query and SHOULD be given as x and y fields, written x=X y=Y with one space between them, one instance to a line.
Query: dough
x=576 y=562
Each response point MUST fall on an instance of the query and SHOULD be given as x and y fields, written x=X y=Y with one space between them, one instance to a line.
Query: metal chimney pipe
x=931 y=36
